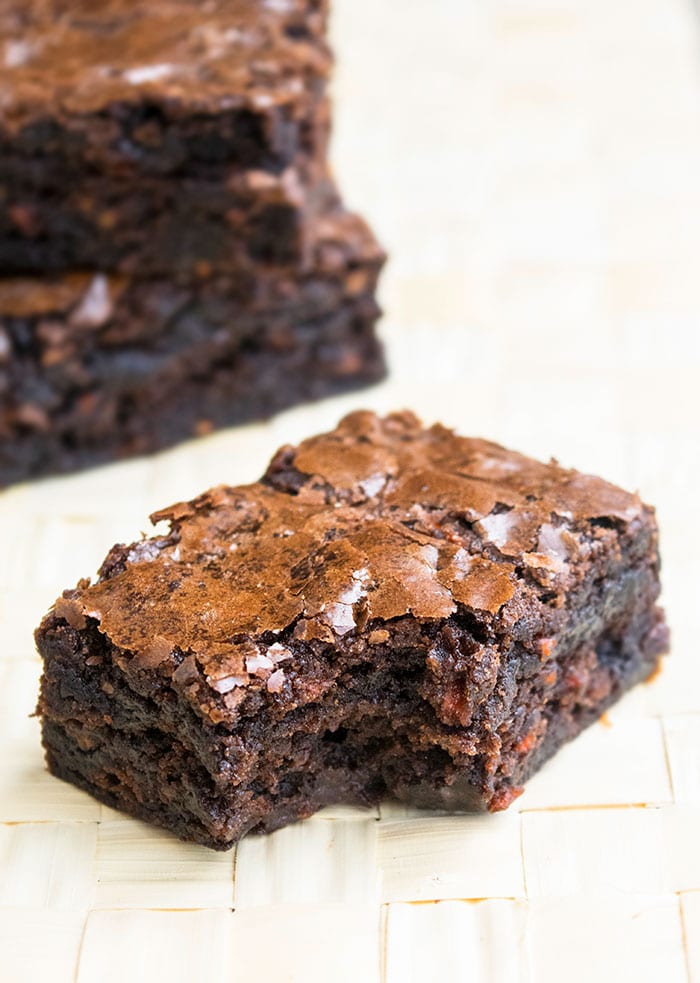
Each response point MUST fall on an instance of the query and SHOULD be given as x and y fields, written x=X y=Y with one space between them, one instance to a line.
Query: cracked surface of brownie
x=141 y=88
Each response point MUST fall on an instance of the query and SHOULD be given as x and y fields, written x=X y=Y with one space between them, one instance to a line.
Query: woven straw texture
x=532 y=167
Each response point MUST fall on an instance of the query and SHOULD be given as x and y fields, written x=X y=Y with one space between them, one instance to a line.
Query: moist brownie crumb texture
x=174 y=254
x=391 y=611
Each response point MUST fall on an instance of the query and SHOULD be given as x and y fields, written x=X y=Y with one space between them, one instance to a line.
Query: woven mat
x=533 y=168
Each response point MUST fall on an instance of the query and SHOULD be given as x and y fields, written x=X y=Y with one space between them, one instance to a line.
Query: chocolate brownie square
x=142 y=137
x=390 y=611
x=96 y=367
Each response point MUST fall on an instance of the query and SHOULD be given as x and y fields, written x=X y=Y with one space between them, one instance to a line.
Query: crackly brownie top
x=78 y=56
x=377 y=520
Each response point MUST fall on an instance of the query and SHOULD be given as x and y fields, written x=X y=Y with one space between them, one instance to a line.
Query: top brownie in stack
x=160 y=137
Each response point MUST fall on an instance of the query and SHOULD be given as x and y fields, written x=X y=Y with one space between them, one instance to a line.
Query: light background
x=532 y=167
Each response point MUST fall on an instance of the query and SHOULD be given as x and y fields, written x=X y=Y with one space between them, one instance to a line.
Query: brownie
x=159 y=226
x=391 y=611
x=125 y=125
x=94 y=367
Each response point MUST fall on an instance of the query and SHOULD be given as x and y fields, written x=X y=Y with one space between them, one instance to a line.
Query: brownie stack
x=174 y=255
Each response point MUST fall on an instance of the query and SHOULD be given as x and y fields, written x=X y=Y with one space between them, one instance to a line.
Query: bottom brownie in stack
x=95 y=367
x=391 y=611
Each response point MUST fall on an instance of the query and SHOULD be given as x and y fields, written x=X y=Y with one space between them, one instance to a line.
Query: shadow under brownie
x=390 y=611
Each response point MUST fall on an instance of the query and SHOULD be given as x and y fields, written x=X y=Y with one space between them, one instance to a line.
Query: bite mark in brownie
x=390 y=611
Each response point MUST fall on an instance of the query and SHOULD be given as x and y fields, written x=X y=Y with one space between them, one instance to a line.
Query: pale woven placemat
x=533 y=168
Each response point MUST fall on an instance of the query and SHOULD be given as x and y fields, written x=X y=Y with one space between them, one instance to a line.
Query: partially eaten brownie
x=391 y=611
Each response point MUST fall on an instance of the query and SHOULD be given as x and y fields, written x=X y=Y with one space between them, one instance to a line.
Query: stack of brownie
x=174 y=255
